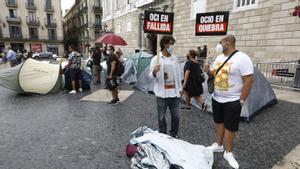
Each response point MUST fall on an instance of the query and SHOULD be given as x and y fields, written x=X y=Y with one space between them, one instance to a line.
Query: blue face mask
x=171 y=49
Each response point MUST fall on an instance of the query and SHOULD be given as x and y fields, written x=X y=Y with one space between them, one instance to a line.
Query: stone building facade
x=32 y=25
x=264 y=29
x=82 y=24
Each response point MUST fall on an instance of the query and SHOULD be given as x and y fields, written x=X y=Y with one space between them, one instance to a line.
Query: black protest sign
x=212 y=23
x=158 y=22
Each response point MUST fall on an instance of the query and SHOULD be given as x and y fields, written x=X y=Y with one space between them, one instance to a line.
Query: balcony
x=52 y=37
x=32 y=21
x=97 y=9
x=13 y=20
x=15 y=36
x=30 y=6
x=49 y=8
x=11 y=3
x=34 y=37
x=50 y=23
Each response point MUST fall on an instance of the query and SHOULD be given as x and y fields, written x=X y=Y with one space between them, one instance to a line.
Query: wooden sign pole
x=157 y=49
x=208 y=50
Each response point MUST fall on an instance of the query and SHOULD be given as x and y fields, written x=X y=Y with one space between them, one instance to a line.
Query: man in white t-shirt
x=232 y=86
x=165 y=72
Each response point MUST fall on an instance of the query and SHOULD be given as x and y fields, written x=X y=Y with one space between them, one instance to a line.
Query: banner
x=212 y=23
x=158 y=22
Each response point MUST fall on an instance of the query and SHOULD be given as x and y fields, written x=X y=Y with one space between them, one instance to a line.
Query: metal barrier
x=281 y=74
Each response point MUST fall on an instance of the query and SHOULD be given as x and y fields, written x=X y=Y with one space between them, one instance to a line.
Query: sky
x=66 y=4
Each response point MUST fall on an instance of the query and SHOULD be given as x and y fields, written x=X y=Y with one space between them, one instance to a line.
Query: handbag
x=211 y=77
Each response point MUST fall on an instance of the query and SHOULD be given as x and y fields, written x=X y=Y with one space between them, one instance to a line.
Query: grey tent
x=136 y=70
x=32 y=76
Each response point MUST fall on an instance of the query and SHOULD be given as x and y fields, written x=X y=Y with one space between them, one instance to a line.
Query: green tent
x=141 y=61
x=32 y=76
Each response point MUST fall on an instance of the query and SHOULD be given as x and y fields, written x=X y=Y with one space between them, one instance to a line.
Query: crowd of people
x=233 y=77
x=15 y=58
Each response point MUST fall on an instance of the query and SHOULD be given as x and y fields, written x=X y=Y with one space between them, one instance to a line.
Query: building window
x=48 y=3
x=11 y=2
x=197 y=6
x=86 y=18
x=98 y=19
x=32 y=16
x=33 y=33
x=12 y=13
x=242 y=5
x=97 y=3
x=15 y=32
x=30 y=2
x=52 y=34
x=49 y=19
x=117 y=5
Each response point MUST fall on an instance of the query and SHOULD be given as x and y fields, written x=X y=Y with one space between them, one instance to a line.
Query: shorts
x=113 y=83
x=75 y=74
x=96 y=70
x=228 y=113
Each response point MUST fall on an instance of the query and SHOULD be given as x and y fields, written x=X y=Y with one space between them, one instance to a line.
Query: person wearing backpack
x=112 y=74
x=193 y=79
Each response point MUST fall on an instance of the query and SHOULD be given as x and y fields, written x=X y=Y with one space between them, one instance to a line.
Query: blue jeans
x=162 y=105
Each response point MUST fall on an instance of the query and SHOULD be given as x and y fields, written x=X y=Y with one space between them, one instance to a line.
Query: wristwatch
x=242 y=102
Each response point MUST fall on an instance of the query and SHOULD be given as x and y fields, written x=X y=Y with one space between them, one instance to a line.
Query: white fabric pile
x=160 y=151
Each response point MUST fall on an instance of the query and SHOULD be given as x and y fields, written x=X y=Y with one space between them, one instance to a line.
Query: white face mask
x=108 y=52
x=219 y=48
x=171 y=49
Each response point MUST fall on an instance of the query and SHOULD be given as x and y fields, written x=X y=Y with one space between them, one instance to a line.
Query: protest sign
x=158 y=22
x=212 y=23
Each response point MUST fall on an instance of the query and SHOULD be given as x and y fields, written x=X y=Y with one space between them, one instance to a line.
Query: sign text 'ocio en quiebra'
x=213 y=23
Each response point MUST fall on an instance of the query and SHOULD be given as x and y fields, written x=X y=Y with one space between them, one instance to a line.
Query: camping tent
x=136 y=68
x=32 y=76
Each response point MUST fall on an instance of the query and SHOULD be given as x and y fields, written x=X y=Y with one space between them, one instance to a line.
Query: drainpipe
x=140 y=41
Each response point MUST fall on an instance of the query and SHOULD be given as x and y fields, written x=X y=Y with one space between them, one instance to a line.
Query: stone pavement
x=292 y=159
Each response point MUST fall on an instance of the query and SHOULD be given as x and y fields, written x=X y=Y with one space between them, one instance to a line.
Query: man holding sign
x=165 y=72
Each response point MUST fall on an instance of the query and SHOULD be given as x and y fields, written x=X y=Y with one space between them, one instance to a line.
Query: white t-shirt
x=228 y=81
x=169 y=78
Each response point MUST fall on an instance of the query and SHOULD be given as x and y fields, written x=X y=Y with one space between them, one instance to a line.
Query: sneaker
x=80 y=89
x=231 y=160
x=114 y=102
x=204 y=107
x=118 y=100
x=216 y=148
x=72 y=92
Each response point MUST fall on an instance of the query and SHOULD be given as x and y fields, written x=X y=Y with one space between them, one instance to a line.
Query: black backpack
x=120 y=68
